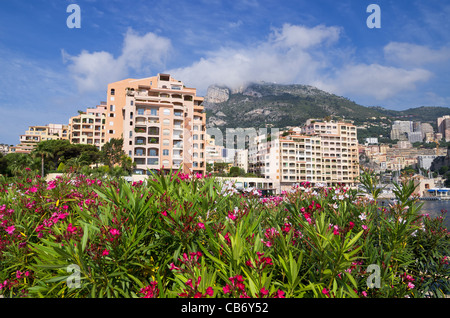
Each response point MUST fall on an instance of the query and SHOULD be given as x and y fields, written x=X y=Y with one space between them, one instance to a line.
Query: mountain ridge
x=282 y=105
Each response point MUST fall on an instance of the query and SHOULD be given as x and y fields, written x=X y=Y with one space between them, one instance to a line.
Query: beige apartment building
x=36 y=134
x=162 y=123
x=323 y=152
x=443 y=125
x=89 y=127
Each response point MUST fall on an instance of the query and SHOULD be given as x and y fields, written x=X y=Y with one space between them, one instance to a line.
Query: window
x=166 y=111
x=139 y=152
x=166 y=122
x=165 y=163
x=113 y=91
x=112 y=108
x=154 y=112
x=166 y=142
x=153 y=152
x=166 y=132
x=111 y=123
x=165 y=152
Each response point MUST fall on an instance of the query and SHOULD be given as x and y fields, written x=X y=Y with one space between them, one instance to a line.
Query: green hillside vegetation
x=279 y=106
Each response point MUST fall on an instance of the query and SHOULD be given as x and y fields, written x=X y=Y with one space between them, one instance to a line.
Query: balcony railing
x=140 y=130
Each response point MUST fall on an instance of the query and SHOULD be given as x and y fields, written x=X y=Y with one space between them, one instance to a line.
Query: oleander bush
x=193 y=236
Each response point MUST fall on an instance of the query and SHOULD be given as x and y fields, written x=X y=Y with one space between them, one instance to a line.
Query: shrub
x=192 y=236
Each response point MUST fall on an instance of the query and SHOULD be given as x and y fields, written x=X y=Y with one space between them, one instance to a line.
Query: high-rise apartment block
x=89 y=127
x=321 y=152
x=325 y=152
x=162 y=123
x=443 y=127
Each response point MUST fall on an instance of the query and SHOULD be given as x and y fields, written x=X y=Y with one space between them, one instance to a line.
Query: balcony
x=178 y=107
x=140 y=120
x=153 y=161
x=140 y=141
x=153 y=123
x=153 y=131
x=153 y=140
x=140 y=130
x=153 y=152
x=139 y=152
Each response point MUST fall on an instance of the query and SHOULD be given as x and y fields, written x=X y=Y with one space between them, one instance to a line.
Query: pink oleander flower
x=33 y=189
x=209 y=291
x=51 y=185
x=411 y=285
x=264 y=291
x=173 y=267
x=201 y=225
x=71 y=228
x=150 y=291
x=10 y=229
x=365 y=227
x=114 y=232
x=105 y=252
x=226 y=289
x=279 y=294
x=326 y=292
x=231 y=216
x=336 y=230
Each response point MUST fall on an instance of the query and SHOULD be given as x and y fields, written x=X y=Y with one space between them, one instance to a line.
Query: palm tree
x=76 y=163
x=43 y=154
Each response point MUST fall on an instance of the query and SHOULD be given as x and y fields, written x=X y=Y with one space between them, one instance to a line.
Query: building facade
x=321 y=152
x=443 y=127
x=36 y=134
x=162 y=123
x=89 y=127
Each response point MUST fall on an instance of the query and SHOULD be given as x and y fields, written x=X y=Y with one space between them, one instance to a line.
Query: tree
x=76 y=163
x=63 y=150
x=112 y=152
x=38 y=152
x=17 y=162
x=236 y=172
x=3 y=164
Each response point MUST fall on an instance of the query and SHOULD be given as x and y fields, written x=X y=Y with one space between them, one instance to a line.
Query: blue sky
x=49 y=71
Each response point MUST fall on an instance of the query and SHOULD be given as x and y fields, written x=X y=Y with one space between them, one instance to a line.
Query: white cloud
x=297 y=54
x=284 y=57
x=290 y=54
x=93 y=71
x=409 y=54
x=374 y=80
